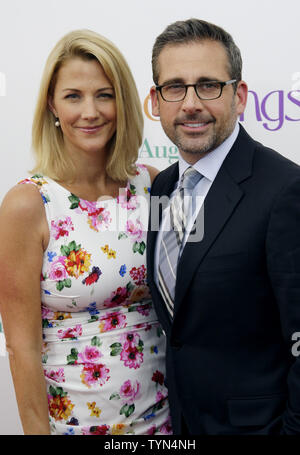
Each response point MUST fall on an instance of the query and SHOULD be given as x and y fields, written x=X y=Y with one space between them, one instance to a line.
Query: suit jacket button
x=176 y=345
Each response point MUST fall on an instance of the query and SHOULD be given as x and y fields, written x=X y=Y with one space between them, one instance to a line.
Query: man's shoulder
x=272 y=160
x=164 y=176
x=168 y=170
x=264 y=158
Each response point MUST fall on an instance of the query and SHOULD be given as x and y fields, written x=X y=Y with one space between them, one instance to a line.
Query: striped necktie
x=172 y=239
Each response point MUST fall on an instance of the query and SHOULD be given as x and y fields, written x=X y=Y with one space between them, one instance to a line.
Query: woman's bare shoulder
x=23 y=198
x=153 y=171
x=23 y=205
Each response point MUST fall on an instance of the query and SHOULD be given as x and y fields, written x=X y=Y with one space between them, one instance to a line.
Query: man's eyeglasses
x=209 y=90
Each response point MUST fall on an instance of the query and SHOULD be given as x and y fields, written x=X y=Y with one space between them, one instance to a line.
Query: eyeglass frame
x=186 y=86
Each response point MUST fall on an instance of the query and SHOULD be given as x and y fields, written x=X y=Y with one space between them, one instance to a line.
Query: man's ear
x=154 y=101
x=241 y=97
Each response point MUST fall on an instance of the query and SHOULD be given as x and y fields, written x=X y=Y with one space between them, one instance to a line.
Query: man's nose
x=191 y=101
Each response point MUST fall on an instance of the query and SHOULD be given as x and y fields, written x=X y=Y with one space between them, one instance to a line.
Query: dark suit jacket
x=230 y=367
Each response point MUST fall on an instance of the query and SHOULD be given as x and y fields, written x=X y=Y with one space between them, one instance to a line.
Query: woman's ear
x=51 y=105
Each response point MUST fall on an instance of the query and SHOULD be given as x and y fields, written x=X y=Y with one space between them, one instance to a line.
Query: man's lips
x=195 y=126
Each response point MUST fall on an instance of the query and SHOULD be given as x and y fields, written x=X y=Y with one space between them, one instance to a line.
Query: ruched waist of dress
x=75 y=325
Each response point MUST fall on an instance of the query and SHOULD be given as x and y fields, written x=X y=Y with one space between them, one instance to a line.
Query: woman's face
x=84 y=102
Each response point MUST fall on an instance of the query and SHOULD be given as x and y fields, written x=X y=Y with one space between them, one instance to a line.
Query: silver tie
x=172 y=239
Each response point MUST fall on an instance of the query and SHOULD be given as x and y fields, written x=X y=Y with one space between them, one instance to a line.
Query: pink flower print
x=98 y=217
x=151 y=430
x=96 y=430
x=130 y=391
x=91 y=354
x=71 y=332
x=87 y=206
x=131 y=357
x=94 y=374
x=47 y=313
x=160 y=397
x=143 y=326
x=138 y=274
x=93 y=277
x=101 y=430
x=134 y=230
x=116 y=320
x=158 y=377
x=166 y=428
x=61 y=228
x=57 y=376
x=58 y=270
x=130 y=339
x=141 y=166
x=144 y=309
x=127 y=200
x=117 y=298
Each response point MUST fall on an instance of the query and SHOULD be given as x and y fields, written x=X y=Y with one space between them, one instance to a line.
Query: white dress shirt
x=208 y=166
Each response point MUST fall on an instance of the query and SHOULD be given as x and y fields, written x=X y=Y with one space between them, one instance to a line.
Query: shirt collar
x=209 y=165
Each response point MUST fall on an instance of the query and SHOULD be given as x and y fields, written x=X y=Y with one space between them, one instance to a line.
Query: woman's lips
x=90 y=129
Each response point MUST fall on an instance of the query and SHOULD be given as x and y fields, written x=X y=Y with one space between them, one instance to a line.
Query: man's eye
x=209 y=86
x=174 y=87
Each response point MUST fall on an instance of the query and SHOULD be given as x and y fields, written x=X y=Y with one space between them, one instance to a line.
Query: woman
x=73 y=238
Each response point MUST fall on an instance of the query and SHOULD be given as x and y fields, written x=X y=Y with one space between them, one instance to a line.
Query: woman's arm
x=23 y=235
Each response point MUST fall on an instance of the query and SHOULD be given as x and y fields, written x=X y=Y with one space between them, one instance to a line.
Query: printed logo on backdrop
x=150 y=150
x=275 y=108
x=2 y=84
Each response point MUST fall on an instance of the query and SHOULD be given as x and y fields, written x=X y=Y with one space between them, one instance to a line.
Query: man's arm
x=283 y=255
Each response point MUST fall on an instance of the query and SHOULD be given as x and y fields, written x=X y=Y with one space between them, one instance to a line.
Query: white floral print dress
x=104 y=350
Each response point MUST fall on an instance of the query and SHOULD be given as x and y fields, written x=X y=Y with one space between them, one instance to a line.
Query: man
x=230 y=301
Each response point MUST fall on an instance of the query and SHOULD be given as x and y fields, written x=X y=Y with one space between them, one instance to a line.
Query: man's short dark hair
x=195 y=30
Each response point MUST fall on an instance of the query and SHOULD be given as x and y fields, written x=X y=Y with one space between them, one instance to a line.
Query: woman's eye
x=72 y=96
x=105 y=95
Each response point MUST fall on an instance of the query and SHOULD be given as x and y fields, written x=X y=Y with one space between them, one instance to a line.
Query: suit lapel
x=222 y=199
x=163 y=187
x=218 y=207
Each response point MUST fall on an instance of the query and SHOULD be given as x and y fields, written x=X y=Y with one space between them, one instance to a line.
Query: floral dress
x=104 y=350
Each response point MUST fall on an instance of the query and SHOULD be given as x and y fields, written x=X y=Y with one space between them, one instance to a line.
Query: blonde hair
x=47 y=139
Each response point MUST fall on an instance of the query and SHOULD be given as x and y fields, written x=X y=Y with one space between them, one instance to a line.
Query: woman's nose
x=89 y=109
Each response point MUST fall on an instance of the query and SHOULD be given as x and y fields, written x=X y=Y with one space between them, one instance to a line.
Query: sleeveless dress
x=103 y=348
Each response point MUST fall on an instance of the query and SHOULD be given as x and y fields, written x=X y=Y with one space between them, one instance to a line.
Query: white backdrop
x=267 y=32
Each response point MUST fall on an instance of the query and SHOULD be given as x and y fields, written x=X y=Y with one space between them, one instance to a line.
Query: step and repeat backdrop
x=266 y=31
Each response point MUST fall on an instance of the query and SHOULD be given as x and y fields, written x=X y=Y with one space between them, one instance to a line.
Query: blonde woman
x=86 y=350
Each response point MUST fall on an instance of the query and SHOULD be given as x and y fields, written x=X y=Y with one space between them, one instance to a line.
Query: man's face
x=196 y=126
